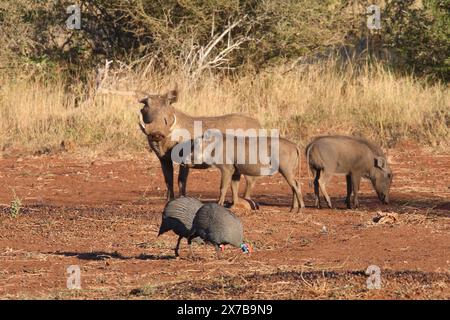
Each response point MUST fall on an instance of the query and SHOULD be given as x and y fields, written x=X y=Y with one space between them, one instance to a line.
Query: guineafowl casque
x=177 y=216
x=218 y=226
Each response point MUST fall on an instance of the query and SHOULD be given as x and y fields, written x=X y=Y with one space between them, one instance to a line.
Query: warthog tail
x=299 y=154
x=308 y=168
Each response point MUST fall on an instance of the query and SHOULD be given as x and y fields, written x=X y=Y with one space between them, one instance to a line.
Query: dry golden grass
x=302 y=103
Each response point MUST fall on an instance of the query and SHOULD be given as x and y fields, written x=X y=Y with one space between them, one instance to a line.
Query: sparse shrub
x=145 y=291
x=16 y=206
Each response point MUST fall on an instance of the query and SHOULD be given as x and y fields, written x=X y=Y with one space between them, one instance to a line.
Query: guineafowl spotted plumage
x=177 y=216
x=218 y=226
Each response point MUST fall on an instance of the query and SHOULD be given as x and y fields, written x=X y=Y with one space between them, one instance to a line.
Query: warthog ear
x=172 y=95
x=380 y=162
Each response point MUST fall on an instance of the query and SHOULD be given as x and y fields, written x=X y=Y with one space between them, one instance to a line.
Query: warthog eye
x=165 y=121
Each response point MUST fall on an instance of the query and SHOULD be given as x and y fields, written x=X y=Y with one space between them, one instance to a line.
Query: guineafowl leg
x=191 y=254
x=178 y=246
x=217 y=251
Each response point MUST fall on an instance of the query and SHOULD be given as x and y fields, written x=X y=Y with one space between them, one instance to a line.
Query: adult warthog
x=161 y=119
x=353 y=157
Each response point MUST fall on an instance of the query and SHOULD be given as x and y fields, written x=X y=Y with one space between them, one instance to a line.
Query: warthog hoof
x=246 y=204
x=296 y=209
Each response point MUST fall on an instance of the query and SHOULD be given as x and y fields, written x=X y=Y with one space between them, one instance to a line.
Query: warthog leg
x=167 y=168
x=224 y=184
x=302 y=204
x=316 y=187
x=182 y=179
x=296 y=193
x=235 y=186
x=349 y=191
x=324 y=178
x=319 y=182
x=250 y=182
x=356 y=179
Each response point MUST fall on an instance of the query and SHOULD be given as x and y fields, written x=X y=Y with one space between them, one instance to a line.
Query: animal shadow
x=101 y=255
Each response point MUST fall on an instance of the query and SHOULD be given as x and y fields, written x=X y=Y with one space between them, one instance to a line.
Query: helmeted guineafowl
x=218 y=226
x=177 y=216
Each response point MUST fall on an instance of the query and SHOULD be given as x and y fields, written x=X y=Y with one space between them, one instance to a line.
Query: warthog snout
x=384 y=198
x=157 y=136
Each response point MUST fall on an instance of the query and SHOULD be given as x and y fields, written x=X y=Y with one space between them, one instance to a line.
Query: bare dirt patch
x=104 y=214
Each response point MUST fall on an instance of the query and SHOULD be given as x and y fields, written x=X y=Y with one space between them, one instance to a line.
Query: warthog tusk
x=141 y=126
x=174 y=122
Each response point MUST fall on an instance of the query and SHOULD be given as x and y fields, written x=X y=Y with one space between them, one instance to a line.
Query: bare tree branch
x=101 y=80
x=200 y=58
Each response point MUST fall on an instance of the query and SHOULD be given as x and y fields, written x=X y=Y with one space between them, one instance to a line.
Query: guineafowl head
x=246 y=248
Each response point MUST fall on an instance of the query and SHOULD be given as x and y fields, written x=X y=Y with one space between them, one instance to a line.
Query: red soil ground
x=104 y=214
